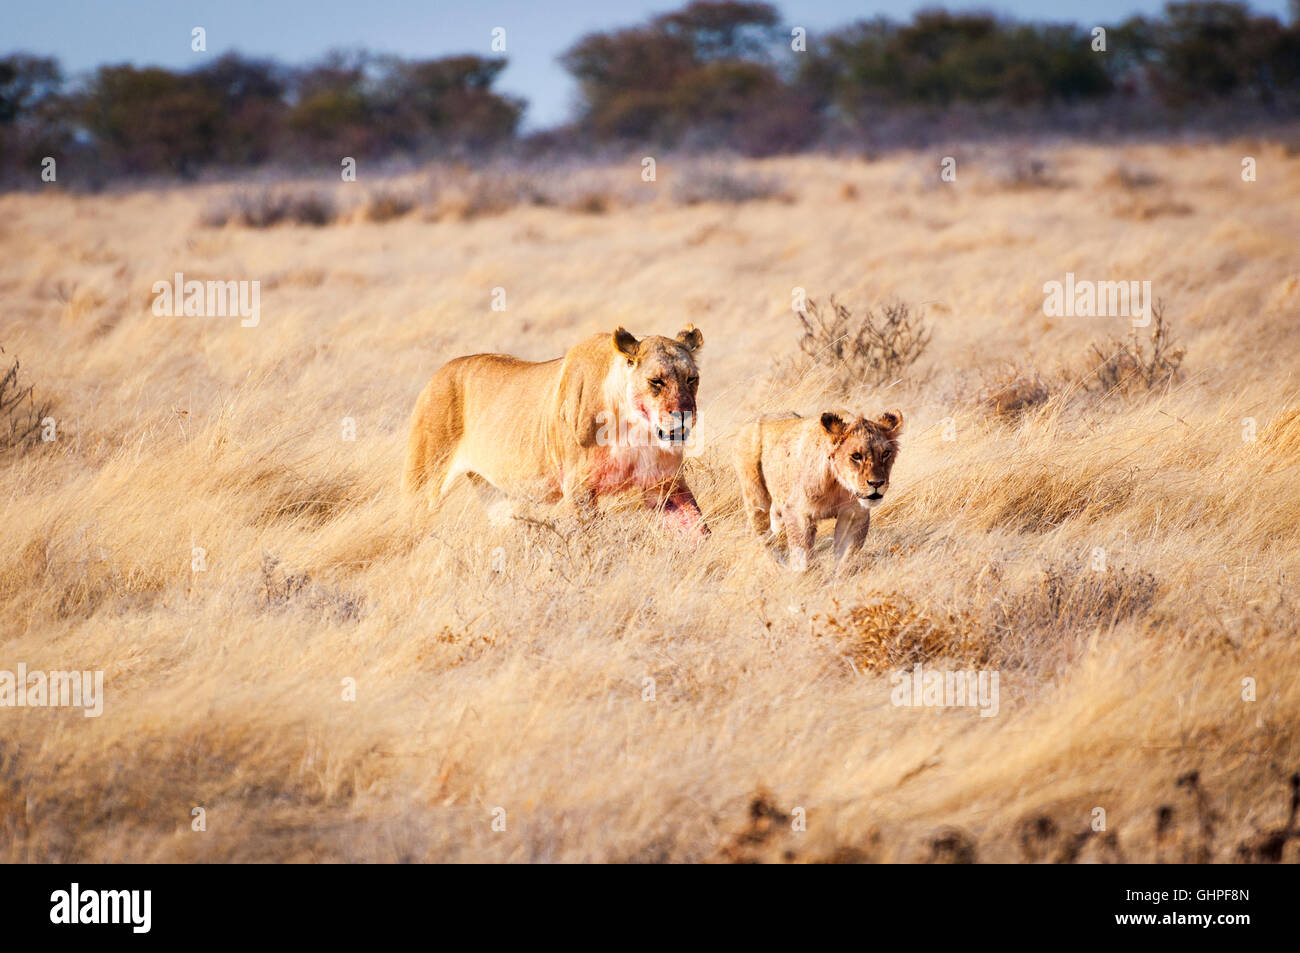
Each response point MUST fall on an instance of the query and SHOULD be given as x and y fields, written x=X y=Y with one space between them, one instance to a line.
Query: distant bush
x=1119 y=365
x=281 y=589
x=386 y=205
x=464 y=195
x=1133 y=177
x=863 y=348
x=890 y=631
x=20 y=414
x=716 y=183
x=1013 y=391
x=1020 y=170
x=263 y=208
x=590 y=203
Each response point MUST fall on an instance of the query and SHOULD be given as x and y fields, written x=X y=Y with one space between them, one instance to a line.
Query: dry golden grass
x=506 y=666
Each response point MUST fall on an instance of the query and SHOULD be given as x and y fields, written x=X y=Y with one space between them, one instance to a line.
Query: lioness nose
x=876 y=484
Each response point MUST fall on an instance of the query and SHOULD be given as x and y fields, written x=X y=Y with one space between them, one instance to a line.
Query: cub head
x=659 y=383
x=863 y=453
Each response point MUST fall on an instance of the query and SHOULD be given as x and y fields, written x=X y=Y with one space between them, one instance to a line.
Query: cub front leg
x=850 y=532
x=800 y=531
x=760 y=516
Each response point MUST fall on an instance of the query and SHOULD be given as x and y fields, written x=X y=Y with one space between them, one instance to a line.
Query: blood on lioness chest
x=626 y=468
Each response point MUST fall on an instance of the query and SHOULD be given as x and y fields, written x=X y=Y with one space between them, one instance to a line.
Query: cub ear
x=891 y=421
x=625 y=343
x=834 y=425
x=691 y=337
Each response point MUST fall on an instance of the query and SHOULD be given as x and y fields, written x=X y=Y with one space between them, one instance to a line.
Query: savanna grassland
x=505 y=665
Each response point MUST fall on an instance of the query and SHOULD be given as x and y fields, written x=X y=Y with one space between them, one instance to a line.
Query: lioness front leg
x=800 y=532
x=850 y=532
x=579 y=494
x=680 y=511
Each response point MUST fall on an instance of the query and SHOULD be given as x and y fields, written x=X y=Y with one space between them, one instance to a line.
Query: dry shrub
x=863 y=349
x=752 y=842
x=280 y=589
x=264 y=208
x=464 y=196
x=451 y=647
x=767 y=836
x=1065 y=839
x=1011 y=392
x=952 y=845
x=583 y=188
x=1132 y=177
x=1144 y=210
x=729 y=186
x=891 y=632
x=589 y=203
x=20 y=414
x=1020 y=170
x=1125 y=365
x=1270 y=846
x=79 y=575
x=386 y=205
x=1068 y=598
x=1002 y=627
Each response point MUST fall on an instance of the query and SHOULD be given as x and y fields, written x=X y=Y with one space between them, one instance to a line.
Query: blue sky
x=84 y=34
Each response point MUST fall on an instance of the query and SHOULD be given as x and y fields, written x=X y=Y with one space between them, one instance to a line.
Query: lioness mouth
x=871 y=496
x=673 y=436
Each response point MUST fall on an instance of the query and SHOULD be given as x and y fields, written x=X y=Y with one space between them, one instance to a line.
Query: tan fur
x=795 y=471
x=611 y=415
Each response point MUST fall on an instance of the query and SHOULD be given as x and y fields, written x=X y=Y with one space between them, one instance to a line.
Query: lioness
x=795 y=471
x=612 y=414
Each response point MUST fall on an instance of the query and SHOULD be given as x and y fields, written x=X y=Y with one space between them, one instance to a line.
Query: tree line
x=714 y=74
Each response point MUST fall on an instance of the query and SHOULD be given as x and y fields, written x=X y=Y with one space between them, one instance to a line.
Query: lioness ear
x=892 y=422
x=691 y=337
x=833 y=425
x=625 y=343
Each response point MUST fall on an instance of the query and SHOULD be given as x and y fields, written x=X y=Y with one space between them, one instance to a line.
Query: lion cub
x=796 y=471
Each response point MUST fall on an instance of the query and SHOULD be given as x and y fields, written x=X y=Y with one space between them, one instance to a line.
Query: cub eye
x=693 y=381
x=656 y=382
x=856 y=457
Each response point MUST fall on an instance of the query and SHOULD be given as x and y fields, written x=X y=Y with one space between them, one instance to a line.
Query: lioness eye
x=856 y=458
x=656 y=382
x=693 y=381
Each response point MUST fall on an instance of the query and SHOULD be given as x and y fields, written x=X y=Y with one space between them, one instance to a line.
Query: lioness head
x=659 y=382
x=863 y=453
